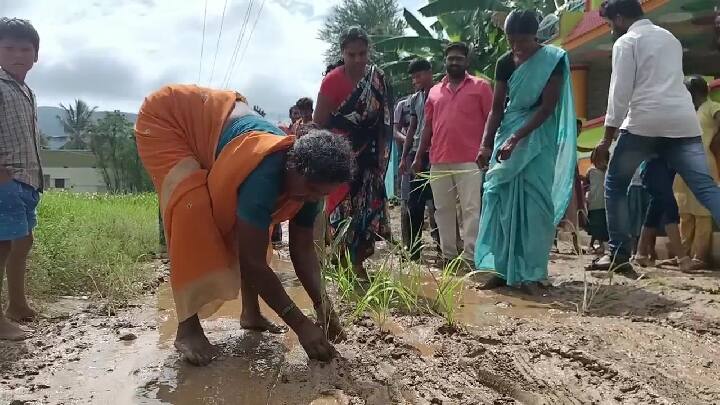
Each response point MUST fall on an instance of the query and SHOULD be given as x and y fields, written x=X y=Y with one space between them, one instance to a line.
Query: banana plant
x=474 y=22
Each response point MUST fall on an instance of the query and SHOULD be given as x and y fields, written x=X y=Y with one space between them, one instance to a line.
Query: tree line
x=475 y=22
x=112 y=140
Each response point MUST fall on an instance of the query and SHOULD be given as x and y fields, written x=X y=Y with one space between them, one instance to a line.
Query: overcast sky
x=112 y=53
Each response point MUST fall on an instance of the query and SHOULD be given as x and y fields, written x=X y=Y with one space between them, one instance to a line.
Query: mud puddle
x=649 y=343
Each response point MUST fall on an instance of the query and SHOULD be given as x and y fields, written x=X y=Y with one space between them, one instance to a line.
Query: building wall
x=79 y=180
x=597 y=91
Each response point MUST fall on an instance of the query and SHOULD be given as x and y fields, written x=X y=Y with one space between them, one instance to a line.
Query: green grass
x=93 y=244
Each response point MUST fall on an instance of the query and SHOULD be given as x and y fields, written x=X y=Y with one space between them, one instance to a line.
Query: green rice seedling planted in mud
x=450 y=288
x=383 y=293
x=94 y=244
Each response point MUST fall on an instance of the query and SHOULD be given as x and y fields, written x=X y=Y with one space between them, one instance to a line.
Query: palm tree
x=76 y=120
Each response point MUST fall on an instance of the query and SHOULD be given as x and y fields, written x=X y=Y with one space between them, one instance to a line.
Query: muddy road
x=652 y=341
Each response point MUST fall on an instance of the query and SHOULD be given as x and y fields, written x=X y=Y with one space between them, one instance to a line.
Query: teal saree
x=526 y=196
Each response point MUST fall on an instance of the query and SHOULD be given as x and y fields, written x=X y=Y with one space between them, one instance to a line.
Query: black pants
x=277 y=233
x=420 y=193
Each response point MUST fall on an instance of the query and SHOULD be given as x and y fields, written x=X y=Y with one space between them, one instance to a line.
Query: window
x=59 y=183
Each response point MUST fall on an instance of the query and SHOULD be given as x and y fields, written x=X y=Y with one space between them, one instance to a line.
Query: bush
x=93 y=244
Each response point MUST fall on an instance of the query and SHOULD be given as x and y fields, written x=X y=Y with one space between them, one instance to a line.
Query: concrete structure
x=72 y=170
x=580 y=30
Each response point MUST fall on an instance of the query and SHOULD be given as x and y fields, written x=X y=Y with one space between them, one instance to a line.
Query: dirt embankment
x=653 y=341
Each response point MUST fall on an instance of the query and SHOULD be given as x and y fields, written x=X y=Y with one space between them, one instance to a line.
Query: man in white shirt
x=654 y=113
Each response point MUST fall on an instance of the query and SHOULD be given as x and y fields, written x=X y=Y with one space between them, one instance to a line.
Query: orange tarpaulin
x=177 y=133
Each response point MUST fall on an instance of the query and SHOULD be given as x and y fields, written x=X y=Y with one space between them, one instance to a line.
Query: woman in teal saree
x=529 y=153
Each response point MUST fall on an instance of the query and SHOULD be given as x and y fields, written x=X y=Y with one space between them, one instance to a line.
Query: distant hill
x=53 y=130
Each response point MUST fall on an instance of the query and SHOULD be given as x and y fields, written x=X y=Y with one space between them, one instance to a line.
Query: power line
x=202 y=46
x=238 y=43
x=247 y=43
x=217 y=45
x=252 y=31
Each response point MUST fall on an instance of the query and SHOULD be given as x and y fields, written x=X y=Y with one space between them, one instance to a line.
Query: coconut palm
x=76 y=121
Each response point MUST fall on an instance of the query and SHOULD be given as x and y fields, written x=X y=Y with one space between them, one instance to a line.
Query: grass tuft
x=93 y=244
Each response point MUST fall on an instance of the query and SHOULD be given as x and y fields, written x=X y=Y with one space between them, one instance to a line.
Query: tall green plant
x=76 y=120
x=379 y=18
x=112 y=140
x=474 y=22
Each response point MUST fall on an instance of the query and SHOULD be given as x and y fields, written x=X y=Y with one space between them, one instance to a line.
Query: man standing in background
x=456 y=111
x=20 y=172
x=651 y=109
x=416 y=190
x=401 y=124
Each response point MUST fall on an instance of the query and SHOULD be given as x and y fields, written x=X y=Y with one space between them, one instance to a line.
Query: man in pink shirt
x=455 y=114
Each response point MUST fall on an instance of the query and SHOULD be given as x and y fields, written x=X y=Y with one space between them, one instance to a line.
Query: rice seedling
x=449 y=290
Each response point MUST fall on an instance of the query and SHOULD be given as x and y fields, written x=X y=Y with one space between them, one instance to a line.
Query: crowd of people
x=494 y=166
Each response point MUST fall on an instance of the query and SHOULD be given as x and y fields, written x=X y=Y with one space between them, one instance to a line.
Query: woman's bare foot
x=11 y=331
x=493 y=283
x=192 y=343
x=21 y=313
x=259 y=323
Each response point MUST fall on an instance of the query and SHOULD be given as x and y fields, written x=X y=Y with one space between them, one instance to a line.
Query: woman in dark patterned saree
x=354 y=101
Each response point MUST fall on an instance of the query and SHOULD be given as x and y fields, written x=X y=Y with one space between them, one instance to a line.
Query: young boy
x=20 y=171
x=597 y=222
x=696 y=223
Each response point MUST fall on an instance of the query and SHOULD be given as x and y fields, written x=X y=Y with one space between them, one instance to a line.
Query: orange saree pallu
x=177 y=133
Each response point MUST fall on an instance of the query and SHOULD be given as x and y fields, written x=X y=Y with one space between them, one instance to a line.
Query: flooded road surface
x=655 y=342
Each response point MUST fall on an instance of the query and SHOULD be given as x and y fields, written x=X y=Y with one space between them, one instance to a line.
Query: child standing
x=696 y=224
x=597 y=221
x=20 y=172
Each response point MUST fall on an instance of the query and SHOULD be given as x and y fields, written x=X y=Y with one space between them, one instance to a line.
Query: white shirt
x=647 y=94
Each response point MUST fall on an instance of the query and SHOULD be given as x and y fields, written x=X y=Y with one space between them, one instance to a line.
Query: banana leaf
x=415 y=24
x=440 y=7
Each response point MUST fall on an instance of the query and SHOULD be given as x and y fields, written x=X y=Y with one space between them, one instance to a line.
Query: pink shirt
x=457 y=118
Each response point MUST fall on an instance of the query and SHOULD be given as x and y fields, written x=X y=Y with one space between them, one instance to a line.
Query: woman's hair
x=522 y=22
x=333 y=66
x=304 y=104
x=353 y=34
x=626 y=8
x=18 y=29
x=323 y=157
x=697 y=86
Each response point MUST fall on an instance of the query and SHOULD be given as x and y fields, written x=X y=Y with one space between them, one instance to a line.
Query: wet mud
x=652 y=341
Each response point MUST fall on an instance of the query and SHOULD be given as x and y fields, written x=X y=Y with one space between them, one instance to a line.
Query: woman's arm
x=550 y=98
x=323 y=109
x=252 y=246
x=497 y=112
x=307 y=268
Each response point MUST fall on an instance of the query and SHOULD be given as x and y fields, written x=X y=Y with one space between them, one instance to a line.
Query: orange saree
x=177 y=133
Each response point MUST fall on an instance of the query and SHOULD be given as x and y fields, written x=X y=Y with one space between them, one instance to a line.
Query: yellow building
x=71 y=170
x=586 y=36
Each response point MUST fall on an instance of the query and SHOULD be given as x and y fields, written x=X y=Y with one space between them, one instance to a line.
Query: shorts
x=18 y=203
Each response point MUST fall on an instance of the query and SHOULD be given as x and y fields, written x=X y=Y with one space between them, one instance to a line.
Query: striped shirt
x=19 y=133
